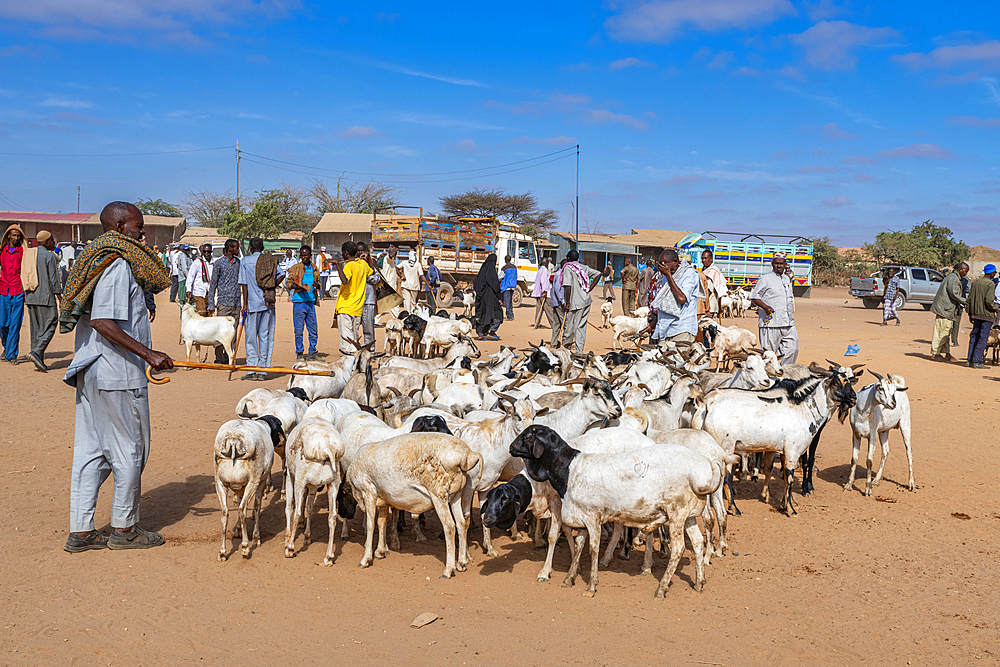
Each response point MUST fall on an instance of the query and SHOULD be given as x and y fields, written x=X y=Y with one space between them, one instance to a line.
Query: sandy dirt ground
x=900 y=578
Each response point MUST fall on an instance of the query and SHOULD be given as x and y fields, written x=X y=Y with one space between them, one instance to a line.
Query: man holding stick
x=107 y=308
x=224 y=291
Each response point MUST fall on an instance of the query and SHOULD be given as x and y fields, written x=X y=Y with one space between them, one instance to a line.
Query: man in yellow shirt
x=354 y=273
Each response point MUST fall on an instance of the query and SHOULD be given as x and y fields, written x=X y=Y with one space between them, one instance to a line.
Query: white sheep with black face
x=881 y=407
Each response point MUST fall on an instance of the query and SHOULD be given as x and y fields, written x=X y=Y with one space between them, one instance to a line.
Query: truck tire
x=517 y=296
x=445 y=295
x=900 y=300
x=871 y=302
x=332 y=291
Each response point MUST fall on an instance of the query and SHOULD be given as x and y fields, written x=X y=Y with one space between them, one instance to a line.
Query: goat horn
x=415 y=391
x=506 y=397
x=857 y=366
x=833 y=363
x=876 y=374
x=395 y=391
x=756 y=351
x=246 y=413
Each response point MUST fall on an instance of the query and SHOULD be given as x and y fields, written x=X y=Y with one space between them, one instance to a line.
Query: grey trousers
x=43 y=320
x=221 y=357
x=259 y=330
x=368 y=323
x=348 y=326
x=558 y=320
x=575 y=328
x=783 y=341
x=112 y=436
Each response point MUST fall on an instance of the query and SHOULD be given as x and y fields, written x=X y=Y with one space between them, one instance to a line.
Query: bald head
x=122 y=217
x=668 y=262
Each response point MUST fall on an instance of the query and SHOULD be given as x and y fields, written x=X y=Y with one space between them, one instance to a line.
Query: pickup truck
x=916 y=285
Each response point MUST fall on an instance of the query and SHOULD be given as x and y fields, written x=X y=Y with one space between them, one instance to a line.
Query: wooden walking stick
x=236 y=343
x=230 y=369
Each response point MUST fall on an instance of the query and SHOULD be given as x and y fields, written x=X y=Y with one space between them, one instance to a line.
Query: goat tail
x=471 y=461
x=698 y=420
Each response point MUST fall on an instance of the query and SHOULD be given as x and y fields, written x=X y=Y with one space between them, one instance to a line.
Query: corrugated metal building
x=83 y=227
x=597 y=249
x=334 y=229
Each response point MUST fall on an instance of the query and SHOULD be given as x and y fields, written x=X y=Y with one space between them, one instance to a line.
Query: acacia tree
x=521 y=209
x=293 y=207
x=157 y=207
x=351 y=197
x=207 y=208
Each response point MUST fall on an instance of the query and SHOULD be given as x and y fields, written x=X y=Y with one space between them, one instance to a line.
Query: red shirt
x=10 y=270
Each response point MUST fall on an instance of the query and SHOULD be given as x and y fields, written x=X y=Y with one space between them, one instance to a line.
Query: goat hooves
x=645 y=572
x=699 y=587
x=589 y=593
x=328 y=561
x=289 y=552
x=542 y=580
x=491 y=552
x=848 y=486
x=380 y=554
x=223 y=556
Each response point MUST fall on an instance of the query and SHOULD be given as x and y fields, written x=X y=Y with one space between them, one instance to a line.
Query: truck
x=916 y=285
x=743 y=258
x=459 y=246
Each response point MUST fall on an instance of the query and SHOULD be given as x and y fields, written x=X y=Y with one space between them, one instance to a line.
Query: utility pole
x=78 y=199
x=237 y=175
x=576 y=211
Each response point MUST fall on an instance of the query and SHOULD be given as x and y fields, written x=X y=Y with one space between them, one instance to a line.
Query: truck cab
x=524 y=252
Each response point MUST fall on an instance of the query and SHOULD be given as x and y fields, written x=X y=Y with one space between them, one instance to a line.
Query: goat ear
x=544 y=411
x=536 y=448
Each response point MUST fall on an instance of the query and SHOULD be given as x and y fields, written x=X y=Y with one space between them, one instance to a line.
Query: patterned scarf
x=148 y=270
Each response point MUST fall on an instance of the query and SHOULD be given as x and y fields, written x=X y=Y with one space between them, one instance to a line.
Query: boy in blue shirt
x=302 y=282
x=507 y=285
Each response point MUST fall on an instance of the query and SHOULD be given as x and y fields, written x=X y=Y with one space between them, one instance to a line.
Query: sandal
x=136 y=539
x=76 y=544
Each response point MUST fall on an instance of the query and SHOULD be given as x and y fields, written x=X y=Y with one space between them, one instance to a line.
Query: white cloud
x=663 y=20
x=358 y=132
x=174 y=20
x=944 y=57
x=839 y=200
x=66 y=104
x=625 y=63
x=831 y=131
x=605 y=116
x=926 y=151
x=830 y=45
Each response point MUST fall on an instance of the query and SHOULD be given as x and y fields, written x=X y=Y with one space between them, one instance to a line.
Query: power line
x=437 y=173
x=189 y=150
x=440 y=180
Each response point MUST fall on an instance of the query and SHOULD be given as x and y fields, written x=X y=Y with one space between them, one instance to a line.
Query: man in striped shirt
x=224 y=291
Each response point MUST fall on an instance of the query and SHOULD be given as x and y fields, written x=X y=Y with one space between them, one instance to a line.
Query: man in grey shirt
x=259 y=326
x=772 y=294
x=112 y=348
x=43 y=311
x=578 y=280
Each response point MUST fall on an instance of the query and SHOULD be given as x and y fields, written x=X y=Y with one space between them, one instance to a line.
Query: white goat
x=787 y=419
x=607 y=310
x=469 y=302
x=881 y=407
x=417 y=472
x=313 y=456
x=322 y=386
x=643 y=488
x=624 y=325
x=244 y=453
x=197 y=331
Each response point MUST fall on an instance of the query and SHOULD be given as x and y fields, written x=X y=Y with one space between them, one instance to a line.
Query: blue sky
x=773 y=116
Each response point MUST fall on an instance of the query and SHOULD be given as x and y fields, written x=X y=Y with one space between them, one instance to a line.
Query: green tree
x=263 y=220
x=926 y=245
x=826 y=257
x=293 y=207
x=158 y=207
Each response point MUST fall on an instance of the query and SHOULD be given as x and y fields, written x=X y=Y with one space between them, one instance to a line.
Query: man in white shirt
x=772 y=294
x=413 y=275
x=199 y=278
x=287 y=262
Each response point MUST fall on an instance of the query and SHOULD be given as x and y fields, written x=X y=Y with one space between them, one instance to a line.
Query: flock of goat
x=645 y=441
